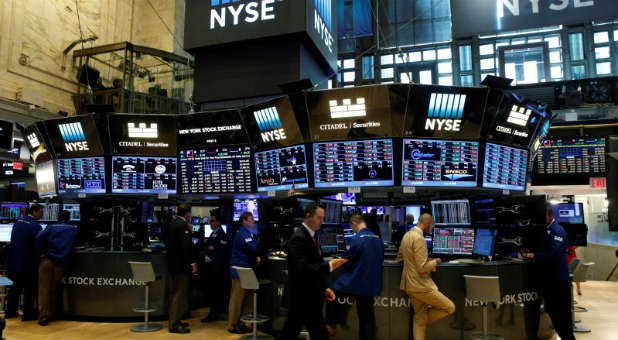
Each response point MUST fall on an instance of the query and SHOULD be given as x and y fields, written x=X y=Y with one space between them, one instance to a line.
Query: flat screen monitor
x=208 y=230
x=5 y=232
x=572 y=213
x=246 y=205
x=215 y=170
x=13 y=210
x=570 y=160
x=331 y=240
x=370 y=210
x=143 y=175
x=440 y=163
x=196 y=221
x=50 y=211
x=429 y=241
x=74 y=209
x=81 y=175
x=484 y=242
x=332 y=211
x=505 y=168
x=346 y=198
x=281 y=168
x=363 y=163
x=451 y=213
x=414 y=210
x=453 y=241
x=45 y=179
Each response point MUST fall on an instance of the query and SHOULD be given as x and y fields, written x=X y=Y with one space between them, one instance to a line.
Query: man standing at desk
x=22 y=264
x=555 y=280
x=218 y=250
x=429 y=304
x=308 y=275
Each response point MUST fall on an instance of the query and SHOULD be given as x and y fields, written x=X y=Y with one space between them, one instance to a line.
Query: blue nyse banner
x=355 y=19
x=472 y=17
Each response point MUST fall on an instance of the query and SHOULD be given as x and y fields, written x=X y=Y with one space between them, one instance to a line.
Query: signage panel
x=322 y=28
x=6 y=134
x=211 y=129
x=39 y=151
x=74 y=137
x=142 y=134
x=272 y=124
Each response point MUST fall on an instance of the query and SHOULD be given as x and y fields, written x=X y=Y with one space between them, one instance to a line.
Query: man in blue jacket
x=22 y=262
x=218 y=250
x=555 y=283
x=53 y=246
x=362 y=277
x=244 y=254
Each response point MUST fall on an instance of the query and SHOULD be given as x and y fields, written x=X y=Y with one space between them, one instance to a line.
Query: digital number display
x=150 y=175
x=572 y=156
x=81 y=175
x=505 y=167
x=215 y=170
x=279 y=169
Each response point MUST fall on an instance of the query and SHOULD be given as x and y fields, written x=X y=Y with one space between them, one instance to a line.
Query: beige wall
x=603 y=256
x=33 y=34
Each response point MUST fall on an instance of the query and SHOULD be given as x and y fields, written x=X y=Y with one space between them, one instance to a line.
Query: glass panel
x=615 y=35
x=405 y=78
x=576 y=46
x=486 y=49
x=465 y=57
x=367 y=62
x=487 y=64
x=330 y=83
x=429 y=55
x=415 y=56
x=349 y=63
x=339 y=63
x=601 y=37
x=554 y=41
x=347 y=86
x=388 y=82
x=426 y=77
x=604 y=68
x=444 y=53
x=401 y=58
x=601 y=52
x=445 y=81
x=467 y=81
x=556 y=72
x=555 y=57
x=484 y=75
x=386 y=59
x=532 y=40
x=388 y=72
x=518 y=41
x=339 y=78
x=349 y=77
x=525 y=66
x=501 y=43
x=445 y=68
x=578 y=72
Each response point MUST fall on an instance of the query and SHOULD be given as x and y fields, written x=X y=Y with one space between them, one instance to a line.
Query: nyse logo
x=73 y=137
x=519 y=115
x=33 y=140
x=231 y=12
x=143 y=131
x=323 y=22
x=514 y=8
x=347 y=109
x=270 y=124
x=445 y=112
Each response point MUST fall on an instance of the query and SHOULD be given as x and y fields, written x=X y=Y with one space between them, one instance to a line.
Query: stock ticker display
x=281 y=168
x=353 y=163
x=505 y=167
x=441 y=163
x=81 y=175
x=455 y=241
x=215 y=170
x=572 y=156
x=149 y=175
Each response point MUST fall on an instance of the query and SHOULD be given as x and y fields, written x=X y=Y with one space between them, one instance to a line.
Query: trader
x=307 y=278
x=181 y=263
x=555 y=280
x=218 y=251
x=362 y=277
x=53 y=246
x=402 y=229
x=429 y=304
x=21 y=264
x=244 y=254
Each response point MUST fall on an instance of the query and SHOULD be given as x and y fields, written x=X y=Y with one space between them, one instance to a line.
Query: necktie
x=317 y=245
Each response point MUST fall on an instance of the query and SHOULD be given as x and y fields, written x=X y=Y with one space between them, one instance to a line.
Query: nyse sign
x=513 y=6
x=234 y=14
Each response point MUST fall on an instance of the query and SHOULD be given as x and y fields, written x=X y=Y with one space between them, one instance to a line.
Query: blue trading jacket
x=244 y=251
x=21 y=256
x=56 y=243
x=363 y=273
x=220 y=256
x=553 y=260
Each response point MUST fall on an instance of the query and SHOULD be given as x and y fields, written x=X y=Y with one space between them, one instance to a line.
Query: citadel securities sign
x=506 y=15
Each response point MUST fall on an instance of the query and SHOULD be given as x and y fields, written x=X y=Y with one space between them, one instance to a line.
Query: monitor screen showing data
x=5 y=232
x=45 y=179
x=281 y=168
x=442 y=163
x=455 y=241
x=456 y=212
x=360 y=163
x=81 y=175
x=215 y=170
x=574 y=158
x=149 y=175
x=505 y=167
x=245 y=205
x=74 y=209
x=13 y=210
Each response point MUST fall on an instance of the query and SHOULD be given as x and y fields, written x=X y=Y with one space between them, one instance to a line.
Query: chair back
x=247 y=277
x=142 y=271
x=483 y=288
x=581 y=272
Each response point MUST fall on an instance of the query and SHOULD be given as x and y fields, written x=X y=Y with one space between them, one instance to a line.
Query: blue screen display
x=281 y=168
x=572 y=213
x=81 y=175
x=150 y=175
x=485 y=241
x=505 y=168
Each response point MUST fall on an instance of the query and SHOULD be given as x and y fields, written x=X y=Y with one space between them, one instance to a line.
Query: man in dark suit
x=181 y=264
x=218 y=250
x=308 y=278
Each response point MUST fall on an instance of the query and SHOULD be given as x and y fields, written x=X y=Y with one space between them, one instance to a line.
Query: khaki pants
x=237 y=302
x=179 y=299
x=429 y=307
x=50 y=276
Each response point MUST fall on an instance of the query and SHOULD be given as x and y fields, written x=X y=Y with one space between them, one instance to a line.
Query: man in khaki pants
x=429 y=304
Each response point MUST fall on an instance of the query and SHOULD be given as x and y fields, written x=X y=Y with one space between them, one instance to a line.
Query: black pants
x=557 y=296
x=364 y=310
x=28 y=283
x=179 y=299
x=305 y=312
x=219 y=292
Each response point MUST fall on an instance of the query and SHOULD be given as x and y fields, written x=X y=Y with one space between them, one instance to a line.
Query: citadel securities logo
x=445 y=112
x=519 y=115
x=142 y=131
x=347 y=109
x=73 y=137
x=33 y=140
x=225 y=13
x=270 y=124
x=323 y=22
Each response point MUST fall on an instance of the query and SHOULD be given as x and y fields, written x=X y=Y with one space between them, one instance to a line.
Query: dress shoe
x=43 y=323
x=180 y=330
x=236 y=330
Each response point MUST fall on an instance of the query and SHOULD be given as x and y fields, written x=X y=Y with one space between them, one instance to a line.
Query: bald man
x=429 y=304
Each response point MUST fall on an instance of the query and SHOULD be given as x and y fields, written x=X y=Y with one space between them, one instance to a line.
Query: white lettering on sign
x=142 y=131
x=513 y=6
x=509 y=299
x=210 y=129
x=510 y=131
x=322 y=30
x=443 y=124
x=274 y=135
x=76 y=146
x=249 y=13
x=100 y=281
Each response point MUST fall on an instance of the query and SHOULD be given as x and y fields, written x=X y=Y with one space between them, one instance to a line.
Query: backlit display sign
x=272 y=124
x=72 y=137
x=211 y=128
x=142 y=134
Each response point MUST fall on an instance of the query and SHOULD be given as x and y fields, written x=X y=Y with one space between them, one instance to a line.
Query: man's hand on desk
x=336 y=263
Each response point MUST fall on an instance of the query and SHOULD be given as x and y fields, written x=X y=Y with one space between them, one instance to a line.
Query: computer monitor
x=74 y=209
x=485 y=241
x=414 y=210
x=429 y=241
x=453 y=241
x=196 y=221
x=451 y=213
x=13 y=210
x=207 y=230
x=572 y=213
x=50 y=211
x=329 y=241
x=246 y=205
x=5 y=232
